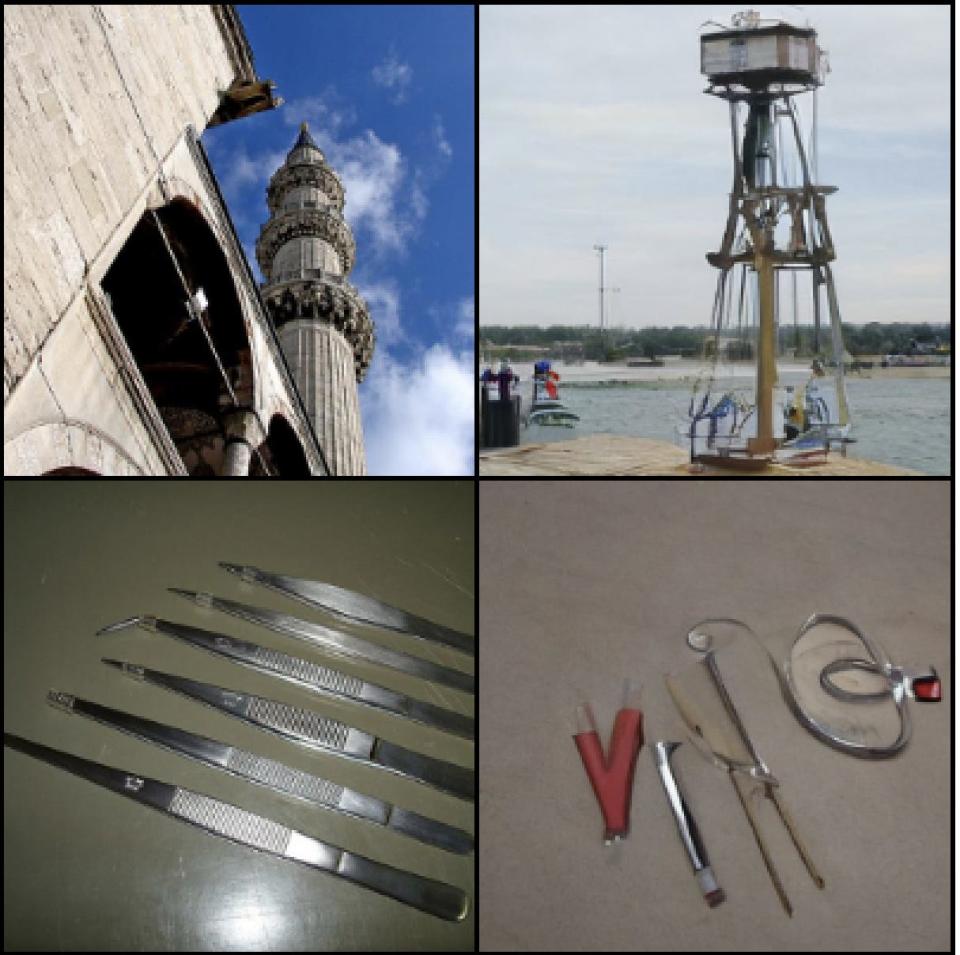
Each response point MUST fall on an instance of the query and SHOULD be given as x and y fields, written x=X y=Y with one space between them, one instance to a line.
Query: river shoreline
x=679 y=370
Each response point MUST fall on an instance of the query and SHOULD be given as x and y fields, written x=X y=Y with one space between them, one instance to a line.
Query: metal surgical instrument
x=272 y=775
x=899 y=685
x=353 y=606
x=334 y=641
x=756 y=772
x=687 y=826
x=246 y=828
x=313 y=730
x=303 y=673
x=807 y=668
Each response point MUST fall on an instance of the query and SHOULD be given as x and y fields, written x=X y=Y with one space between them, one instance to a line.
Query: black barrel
x=501 y=422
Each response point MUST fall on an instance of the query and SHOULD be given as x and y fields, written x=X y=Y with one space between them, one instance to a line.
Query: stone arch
x=66 y=447
x=281 y=452
x=197 y=364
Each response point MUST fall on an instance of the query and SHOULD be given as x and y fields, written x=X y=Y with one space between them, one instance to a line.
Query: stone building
x=136 y=341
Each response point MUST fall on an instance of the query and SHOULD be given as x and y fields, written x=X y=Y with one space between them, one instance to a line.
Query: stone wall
x=97 y=108
x=93 y=99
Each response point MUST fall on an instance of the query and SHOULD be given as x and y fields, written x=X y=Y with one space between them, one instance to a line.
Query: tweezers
x=272 y=775
x=353 y=606
x=248 y=829
x=343 y=644
x=310 y=729
x=305 y=674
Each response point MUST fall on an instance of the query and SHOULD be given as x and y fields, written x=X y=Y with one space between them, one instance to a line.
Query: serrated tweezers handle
x=310 y=729
x=309 y=675
x=273 y=775
x=335 y=641
x=249 y=829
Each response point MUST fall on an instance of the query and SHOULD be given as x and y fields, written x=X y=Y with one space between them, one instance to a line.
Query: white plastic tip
x=708 y=886
x=585 y=719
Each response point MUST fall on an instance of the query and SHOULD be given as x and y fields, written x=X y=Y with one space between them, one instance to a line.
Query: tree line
x=872 y=338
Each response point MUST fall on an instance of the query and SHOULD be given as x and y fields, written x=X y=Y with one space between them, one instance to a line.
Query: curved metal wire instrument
x=334 y=641
x=311 y=729
x=272 y=775
x=353 y=606
x=305 y=674
x=246 y=828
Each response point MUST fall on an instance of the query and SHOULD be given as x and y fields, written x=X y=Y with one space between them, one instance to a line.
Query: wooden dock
x=613 y=454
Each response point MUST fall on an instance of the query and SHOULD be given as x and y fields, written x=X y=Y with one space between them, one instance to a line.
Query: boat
x=817 y=412
x=546 y=408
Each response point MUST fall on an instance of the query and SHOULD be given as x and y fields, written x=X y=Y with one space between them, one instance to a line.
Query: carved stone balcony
x=292 y=177
x=317 y=300
x=310 y=223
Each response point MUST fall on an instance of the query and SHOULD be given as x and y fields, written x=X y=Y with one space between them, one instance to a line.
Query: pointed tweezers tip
x=189 y=594
x=120 y=625
x=248 y=573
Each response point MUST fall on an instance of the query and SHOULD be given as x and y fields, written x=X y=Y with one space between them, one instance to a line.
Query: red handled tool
x=611 y=778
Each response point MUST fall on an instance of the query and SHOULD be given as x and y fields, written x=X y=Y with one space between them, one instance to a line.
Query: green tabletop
x=85 y=869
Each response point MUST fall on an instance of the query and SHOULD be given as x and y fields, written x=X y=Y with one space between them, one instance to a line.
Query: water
x=900 y=421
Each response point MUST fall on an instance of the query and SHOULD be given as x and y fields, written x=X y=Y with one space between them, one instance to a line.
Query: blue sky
x=388 y=92
x=627 y=150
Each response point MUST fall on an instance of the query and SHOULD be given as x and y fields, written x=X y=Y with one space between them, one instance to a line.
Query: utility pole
x=601 y=249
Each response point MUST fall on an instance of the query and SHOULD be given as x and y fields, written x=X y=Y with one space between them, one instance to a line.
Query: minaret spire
x=305 y=251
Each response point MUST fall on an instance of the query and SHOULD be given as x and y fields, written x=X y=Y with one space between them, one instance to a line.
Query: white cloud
x=440 y=138
x=455 y=321
x=418 y=418
x=384 y=301
x=372 y=172
x=419 y=204
x=243 y=171
x=465 y=327
x=384 y=204
x=322 y=112
x=394 y=76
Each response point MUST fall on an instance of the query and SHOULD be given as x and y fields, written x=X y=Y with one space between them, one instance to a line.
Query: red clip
x=926 y=689
x=612 y=779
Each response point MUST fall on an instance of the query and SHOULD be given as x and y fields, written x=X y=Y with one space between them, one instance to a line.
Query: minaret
x=305 y=251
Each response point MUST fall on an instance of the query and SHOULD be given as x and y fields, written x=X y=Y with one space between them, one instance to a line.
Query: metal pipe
x=194 y=311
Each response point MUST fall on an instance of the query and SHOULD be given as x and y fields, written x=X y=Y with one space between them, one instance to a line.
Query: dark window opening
x=281 y=454
x=70 y=472
x=187 y=379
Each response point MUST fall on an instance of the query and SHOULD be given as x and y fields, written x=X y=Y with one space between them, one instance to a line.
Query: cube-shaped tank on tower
x=758 y=56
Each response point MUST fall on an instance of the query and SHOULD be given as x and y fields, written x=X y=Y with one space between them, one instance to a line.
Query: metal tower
x=777 y=219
